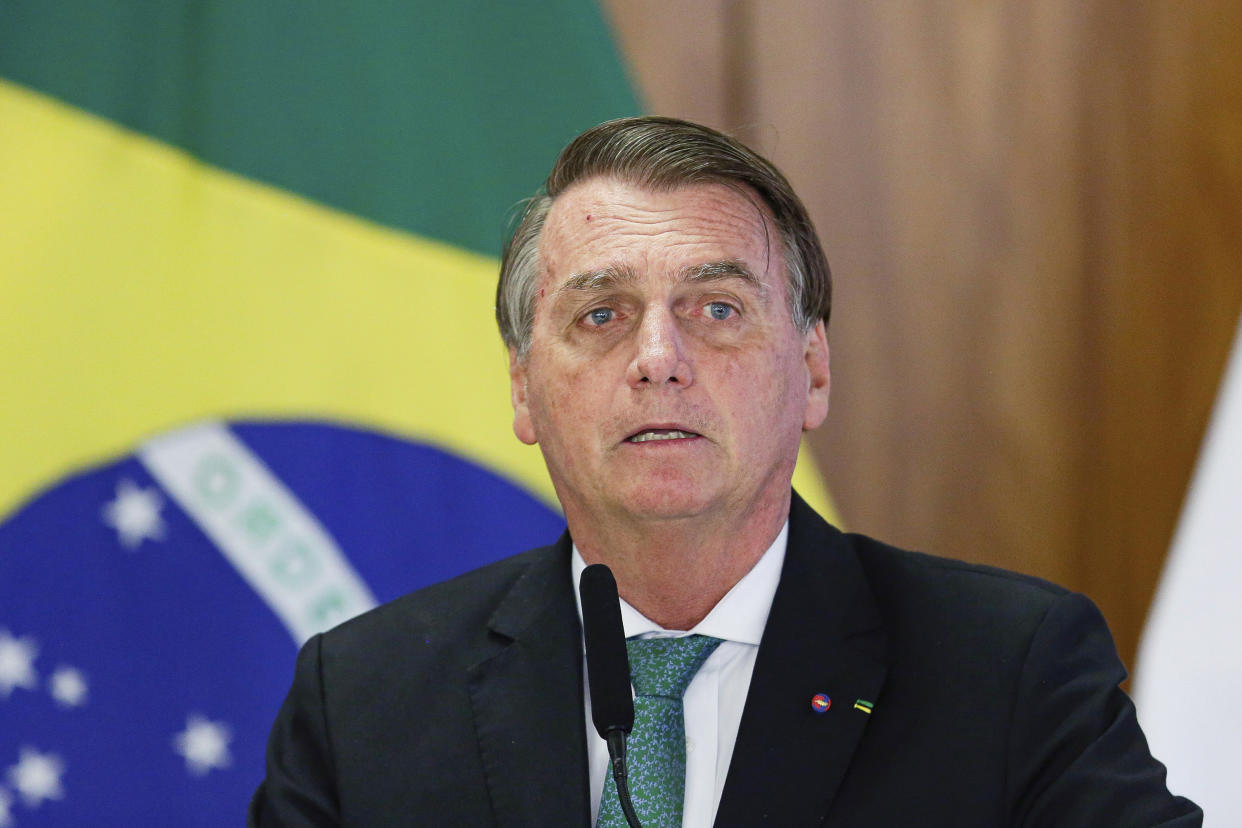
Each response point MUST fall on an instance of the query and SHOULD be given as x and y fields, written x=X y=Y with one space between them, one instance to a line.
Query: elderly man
x=665 y=302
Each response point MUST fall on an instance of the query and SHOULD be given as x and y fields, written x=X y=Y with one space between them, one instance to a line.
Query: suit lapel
x=823 y=636
x=527 y=700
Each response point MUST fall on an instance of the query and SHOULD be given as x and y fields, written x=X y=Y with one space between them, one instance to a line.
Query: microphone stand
x=608 y=671
x=616 y=758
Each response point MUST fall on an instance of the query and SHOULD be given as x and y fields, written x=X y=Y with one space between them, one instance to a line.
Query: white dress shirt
x=717 y=693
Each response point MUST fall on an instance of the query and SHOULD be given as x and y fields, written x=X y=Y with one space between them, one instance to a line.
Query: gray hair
x=662 y=154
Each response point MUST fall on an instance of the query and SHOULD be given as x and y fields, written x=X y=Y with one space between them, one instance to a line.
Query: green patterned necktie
x=661 y=669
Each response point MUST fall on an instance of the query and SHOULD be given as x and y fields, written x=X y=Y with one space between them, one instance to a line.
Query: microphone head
x=608 y=664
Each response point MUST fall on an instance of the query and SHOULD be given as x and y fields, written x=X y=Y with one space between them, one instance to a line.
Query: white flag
x=1188 y=682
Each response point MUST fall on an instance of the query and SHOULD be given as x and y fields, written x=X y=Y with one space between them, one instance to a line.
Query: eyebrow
x=594 y=280
x=617 y=276
x=727 y=269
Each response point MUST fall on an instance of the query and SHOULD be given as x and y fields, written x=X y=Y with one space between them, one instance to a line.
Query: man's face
x=665 y=378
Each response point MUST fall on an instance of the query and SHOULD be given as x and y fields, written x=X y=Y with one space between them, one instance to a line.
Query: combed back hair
x=662 y=154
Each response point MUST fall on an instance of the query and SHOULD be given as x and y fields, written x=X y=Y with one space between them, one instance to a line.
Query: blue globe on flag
x=150 y=608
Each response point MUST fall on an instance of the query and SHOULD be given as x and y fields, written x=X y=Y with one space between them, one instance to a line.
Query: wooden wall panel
x=1167 y=262
x=678 y=56
x=1032 y=215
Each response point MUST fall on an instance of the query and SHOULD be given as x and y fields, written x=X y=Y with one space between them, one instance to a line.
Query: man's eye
x=719 y=310
x=600 y=316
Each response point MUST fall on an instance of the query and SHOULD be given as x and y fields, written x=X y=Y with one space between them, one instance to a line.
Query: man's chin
x=660 y=503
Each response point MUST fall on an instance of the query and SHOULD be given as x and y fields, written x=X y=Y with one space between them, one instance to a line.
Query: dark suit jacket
x=995 y=703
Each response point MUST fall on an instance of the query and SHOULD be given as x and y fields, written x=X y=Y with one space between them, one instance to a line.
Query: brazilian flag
x=250 y=384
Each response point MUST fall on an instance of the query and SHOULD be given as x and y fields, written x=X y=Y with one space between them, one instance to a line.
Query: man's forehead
x=596 y=225
x=605 y=197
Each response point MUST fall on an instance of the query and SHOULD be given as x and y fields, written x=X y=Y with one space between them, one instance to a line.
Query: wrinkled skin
x=665 y=314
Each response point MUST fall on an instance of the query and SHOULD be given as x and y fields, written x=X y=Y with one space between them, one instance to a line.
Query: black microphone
x=608 y=673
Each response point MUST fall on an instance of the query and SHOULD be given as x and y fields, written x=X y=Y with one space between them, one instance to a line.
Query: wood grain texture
x=1032 y=213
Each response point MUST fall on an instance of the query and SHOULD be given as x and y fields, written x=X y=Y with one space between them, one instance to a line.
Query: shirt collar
x=739 y=616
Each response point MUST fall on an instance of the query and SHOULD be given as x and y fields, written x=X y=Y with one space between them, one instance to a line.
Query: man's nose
x=661 y=356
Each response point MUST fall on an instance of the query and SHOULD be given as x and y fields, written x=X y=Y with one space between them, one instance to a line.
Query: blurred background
x=1033 y=212
x=283 y=222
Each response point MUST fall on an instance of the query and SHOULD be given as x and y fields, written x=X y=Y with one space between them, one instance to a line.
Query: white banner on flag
x=260 y=526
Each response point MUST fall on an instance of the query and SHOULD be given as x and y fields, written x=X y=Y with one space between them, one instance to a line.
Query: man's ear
x=522 y=425
x=819 y=375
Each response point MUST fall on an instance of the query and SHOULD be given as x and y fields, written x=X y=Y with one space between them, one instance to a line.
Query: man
x=665 y=303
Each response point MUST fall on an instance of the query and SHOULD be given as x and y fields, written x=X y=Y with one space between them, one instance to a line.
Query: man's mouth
x=647 y=435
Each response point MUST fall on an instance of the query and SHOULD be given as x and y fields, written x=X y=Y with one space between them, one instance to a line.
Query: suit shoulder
x=882 y=557
x=902 y=575
x=915 y=583
x=464 y=602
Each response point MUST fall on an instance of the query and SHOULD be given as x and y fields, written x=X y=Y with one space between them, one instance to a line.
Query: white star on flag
x=6 y=804
x=36 y=776
x=69 y=687
x=17 y=657
x=204 y=744
x=135 y=514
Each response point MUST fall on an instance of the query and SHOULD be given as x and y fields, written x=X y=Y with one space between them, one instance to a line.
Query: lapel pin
x=820 y=702
x=864 y=705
